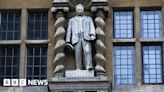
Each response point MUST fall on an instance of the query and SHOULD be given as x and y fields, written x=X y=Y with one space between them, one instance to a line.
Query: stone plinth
x=79 y=73
x=81 y=81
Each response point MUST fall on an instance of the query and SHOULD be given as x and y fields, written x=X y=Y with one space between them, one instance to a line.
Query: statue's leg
x=78 y=55
x=87 y=55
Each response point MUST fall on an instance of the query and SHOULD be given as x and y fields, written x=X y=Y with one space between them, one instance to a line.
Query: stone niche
x=68 y=79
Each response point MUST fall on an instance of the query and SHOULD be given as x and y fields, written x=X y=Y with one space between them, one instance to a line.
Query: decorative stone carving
x=78 y=80
x=100 y=7
x=59 y=9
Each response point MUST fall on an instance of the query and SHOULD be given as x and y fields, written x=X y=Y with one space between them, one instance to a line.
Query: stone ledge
x=94 y=85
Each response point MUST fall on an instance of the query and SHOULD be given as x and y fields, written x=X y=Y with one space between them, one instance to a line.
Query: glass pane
x=151 y=24
x=151 y=64
x=124 y=65
x=29 y=71
x=39 y=58
x=36 y=24
x=10 y=25
x=123 y=26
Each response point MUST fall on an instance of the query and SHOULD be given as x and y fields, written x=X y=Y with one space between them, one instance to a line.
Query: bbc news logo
x=24 y=82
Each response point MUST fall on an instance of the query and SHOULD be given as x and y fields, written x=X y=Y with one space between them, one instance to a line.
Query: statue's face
x=79 y=10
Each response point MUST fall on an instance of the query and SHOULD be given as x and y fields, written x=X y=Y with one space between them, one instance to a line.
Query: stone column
x=59 y=10
x=100 y=10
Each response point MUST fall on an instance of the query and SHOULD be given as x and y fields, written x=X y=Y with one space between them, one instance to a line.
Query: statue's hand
x=92 y=37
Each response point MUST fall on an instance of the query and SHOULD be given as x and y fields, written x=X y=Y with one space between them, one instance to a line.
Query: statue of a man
x=80 y=33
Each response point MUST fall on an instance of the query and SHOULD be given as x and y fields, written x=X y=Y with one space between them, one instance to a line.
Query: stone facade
x=109 y=41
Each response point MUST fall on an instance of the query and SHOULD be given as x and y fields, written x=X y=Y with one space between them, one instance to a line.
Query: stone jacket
x=74 y=28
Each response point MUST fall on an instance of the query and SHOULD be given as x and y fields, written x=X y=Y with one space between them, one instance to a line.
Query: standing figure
x=80 y=33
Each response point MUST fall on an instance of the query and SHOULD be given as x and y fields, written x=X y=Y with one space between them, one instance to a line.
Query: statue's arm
x=92 y=28
x=69 y=30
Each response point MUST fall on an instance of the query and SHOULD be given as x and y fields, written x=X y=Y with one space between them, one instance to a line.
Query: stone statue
x=80 y=33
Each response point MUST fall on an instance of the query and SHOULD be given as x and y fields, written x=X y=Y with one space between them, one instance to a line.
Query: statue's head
x=79 y=9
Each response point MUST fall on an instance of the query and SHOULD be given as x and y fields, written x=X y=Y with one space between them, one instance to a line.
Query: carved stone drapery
x=59 y=9
x=100 y=7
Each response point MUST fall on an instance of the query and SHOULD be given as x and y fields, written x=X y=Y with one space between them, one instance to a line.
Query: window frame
x=161 y=22
x=13 y=31
x=142 y=62
x=40 y=66
x=41 y=31
x=133 y=27
x=12 y=66
x=133 y=64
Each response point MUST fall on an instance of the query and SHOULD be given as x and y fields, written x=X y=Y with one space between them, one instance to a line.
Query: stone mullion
x=138 y=47
x=22 y=61
x=50 y=54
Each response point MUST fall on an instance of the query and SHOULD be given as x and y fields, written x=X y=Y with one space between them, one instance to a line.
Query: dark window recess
x=9 y=62
x=37 y=25
x=10 y=25
x=36 y=62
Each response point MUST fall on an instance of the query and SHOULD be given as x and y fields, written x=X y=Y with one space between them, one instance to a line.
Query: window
x=152 y=65
x=37 y=25
x=9 y=62
x=10 y=25
x=124 y=65
x=151 y=24
x=123 y=24
x=36 y=62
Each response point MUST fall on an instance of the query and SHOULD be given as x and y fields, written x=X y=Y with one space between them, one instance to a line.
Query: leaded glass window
x=37 y=25
x=10 y=25
x=124 y=65
x=151 y=24
x=152 y=64
x=36 y=62
x=123 y=24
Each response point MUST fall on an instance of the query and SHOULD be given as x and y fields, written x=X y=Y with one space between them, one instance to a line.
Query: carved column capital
x=60 y=7
x=100 y=6
x=55 y=9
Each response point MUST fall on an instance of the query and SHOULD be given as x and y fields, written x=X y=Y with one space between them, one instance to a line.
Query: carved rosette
x=59 y=10
x=100 y=7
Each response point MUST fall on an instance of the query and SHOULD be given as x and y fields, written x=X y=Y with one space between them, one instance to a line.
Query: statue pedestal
x=79 y=73
x=80 y=81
